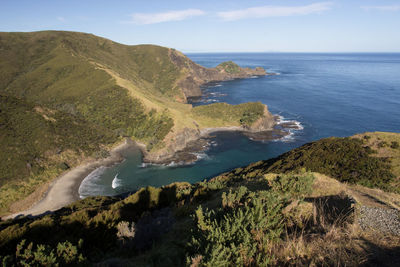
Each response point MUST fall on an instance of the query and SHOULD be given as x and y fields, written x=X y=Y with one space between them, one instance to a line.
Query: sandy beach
x=64 y=189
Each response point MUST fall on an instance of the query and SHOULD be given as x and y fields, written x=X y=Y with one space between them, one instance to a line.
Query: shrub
x=238 y=236
x=395 y=145
x=125 y=233
x=345 y=159
x=293 y=186
x=232 y=199
x=30 y=255
x=382 y=144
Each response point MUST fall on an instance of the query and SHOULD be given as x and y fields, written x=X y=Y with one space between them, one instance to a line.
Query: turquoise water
x=329 y=94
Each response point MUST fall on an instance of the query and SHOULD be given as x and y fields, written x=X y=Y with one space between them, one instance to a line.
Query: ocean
x=327 y=94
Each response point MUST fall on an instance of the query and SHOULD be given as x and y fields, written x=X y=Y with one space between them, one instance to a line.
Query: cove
x=329 y=94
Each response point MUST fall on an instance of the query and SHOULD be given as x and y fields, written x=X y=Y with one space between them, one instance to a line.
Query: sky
x=219 y=25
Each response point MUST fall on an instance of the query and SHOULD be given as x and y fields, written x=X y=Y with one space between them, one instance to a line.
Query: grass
x=243 y=114
x=385 y=146
x=221 y=221
x=38 y=143
x=95 y=87
x=229 y=66
x=348 y=160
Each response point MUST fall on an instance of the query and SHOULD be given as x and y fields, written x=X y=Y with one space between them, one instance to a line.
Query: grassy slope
x=244 y=114
x=229 y=67
x=38 y=144
x=128 y=90
x=81 y=73
x=238 y=201
x=351 y=160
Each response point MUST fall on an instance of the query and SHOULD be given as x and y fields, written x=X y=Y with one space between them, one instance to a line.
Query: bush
x=30 y=255
x=239 y=236
x=345 y=159
x=395 y=145
x=293 y=186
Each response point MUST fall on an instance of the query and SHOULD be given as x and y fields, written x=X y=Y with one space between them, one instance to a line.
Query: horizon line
x=290 y=52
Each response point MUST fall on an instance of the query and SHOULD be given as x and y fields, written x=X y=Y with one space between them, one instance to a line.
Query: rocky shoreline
x=200 y=142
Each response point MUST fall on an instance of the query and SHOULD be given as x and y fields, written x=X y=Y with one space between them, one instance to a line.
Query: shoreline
x=200 y=141
x=64 y=189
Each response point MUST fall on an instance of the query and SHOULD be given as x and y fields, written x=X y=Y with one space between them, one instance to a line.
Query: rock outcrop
x=194 y=75
x=265 y=123
x=182 y=146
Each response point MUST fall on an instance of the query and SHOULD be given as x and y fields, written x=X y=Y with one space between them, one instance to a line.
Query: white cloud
x=274 y=11
x=382 y=8
x=174 y=15
x=62 y=19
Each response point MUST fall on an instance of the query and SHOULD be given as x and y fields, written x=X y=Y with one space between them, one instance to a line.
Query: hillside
x=370 y=159
x=99 y=91
x=247 y=217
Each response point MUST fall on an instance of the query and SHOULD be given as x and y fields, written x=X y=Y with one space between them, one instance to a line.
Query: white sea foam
x=172 y=164
x=290 y=137
x=200 y=156
x=143 y=165
x=116 y=182
x=89 y=185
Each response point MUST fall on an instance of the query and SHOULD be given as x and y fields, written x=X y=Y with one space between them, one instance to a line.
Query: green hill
x=248 y=217
x=371 y=159
x=97 y=91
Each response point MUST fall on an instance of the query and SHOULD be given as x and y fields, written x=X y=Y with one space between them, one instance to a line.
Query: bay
x=329 y=94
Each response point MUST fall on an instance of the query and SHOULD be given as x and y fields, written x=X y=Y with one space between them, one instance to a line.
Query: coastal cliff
x=102 y=91
x=195 y=75
x=181 y=147
x=323 y=216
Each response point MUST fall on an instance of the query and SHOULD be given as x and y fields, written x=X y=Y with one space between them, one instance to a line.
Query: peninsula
x=67 y=98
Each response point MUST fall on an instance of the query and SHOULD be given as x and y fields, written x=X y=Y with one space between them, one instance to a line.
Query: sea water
x=327 y=94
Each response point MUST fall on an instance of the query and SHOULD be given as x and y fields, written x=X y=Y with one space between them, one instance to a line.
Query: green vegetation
x=248 y=217
x=94 y=220
x=243 y=114
x=37 y=141
x=58 y=70
x=229 y=66
x=61 y=62
x=41 y=255
x=68 y=96
x=59 y=107
x=103 y=227
x=346 y=159
x=80 y=80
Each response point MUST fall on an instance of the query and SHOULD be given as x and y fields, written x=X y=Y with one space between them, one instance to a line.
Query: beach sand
x=64 y=189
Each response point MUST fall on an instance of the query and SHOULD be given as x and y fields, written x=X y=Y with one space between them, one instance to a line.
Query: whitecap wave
x=172 y=164
x=143 y=165
x=290 y=137
x=90 y=185
x=200 y=156
x=116 y=182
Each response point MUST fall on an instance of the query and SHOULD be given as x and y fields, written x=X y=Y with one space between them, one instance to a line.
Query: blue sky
x=220 y=25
